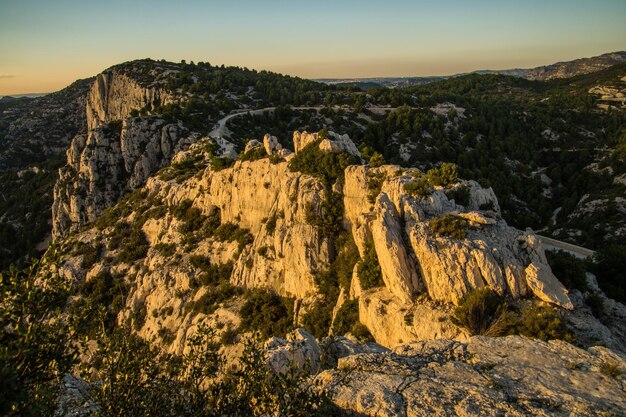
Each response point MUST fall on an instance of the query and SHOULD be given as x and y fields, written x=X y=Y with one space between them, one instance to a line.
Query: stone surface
x=512 y=376
x=300 y=351
x=546 y=286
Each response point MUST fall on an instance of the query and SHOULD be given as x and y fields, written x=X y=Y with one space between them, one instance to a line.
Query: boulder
x=546 y=286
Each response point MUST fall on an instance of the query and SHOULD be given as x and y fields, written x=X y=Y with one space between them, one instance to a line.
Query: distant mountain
x=564 y=69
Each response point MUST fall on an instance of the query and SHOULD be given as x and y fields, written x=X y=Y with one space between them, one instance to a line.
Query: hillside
x=227 y=241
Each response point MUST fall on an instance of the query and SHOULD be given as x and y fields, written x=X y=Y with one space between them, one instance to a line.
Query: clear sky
x=47 y=44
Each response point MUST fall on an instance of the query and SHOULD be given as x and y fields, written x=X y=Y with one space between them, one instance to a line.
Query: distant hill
x=564 y=69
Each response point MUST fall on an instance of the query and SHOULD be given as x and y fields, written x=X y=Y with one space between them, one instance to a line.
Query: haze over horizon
x=45 y=46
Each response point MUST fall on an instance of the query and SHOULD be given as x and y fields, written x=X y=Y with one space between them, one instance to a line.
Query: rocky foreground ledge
x=507 y=376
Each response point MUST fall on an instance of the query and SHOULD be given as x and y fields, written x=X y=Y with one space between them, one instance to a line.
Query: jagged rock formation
x=109 y=160
x=511 y=376
x=415 y=260
x=424 y=274
x=114 y=94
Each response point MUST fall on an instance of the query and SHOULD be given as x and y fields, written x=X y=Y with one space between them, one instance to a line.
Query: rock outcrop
x=511 y=376
x=114 y=94
x=109 y=160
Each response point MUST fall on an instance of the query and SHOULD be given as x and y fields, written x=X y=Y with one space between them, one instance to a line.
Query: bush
x=254 y=154
x=230 y=232
x=90 y=254
x=165 y=249
x=444 y=175
x=135 y=248
x=450 y=225
x=370 y=274
x=181 y=171
x=376 y=160
x=420 y=187
x=541 y=322
x=347 y=320
x=328 y=166
x=210 y=301
x=210 y=274
x=267 y=313
x=36 y=349
x=482 y=312
x=270 y=225
x=375 y=182
x=120 y=233
x=361 y=332
x=328 y=219
x=460 y=195
x=318 y=318
x=218 y=164
x=568 y=269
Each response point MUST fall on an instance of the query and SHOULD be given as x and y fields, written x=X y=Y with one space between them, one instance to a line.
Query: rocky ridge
x=424 y=274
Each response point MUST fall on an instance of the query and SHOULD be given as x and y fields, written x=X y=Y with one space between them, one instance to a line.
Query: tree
x=376 y=160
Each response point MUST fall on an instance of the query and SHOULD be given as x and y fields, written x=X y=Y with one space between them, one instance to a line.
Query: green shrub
x=369 y=272
x=165 y=249
x=254 y=154
x=482 y=312
x=218 y=164
x=596 y=303
x=210 y=274
x=120 y=233
x=450 y=225
x=347 y=317
x=328 y=166
x=611 y=369
x=420 y=187
x=266 y=313
x=375 y=182
x=318 y=318
x=541 y=322
x=444 y=175
x=90 y=254
x=135 y=248
x=376 y=160
x=229 y=336
x=460 y=195
x=183 y=170
x=230 y=232
x=328 y=219
x=570 y=270
x=263 y=251
x=210 y=300
x=270 y=225
x=36 y=348
x=166 y=335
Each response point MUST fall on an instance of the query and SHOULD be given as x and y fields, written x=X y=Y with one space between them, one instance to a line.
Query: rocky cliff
x=253 y=223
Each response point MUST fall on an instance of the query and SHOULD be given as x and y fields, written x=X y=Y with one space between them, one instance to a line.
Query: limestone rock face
x=398 y=268
x=334 y=143
x=546 y=286
x=114 y=94
x=511 y=376
x=271 y=144
x=414 y=258
x=299 y=351
x=393 y=322
x=302 y=139
x=250 y=194
x=110 y=159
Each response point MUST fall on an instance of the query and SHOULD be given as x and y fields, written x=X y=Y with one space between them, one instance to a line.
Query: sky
x=45 y=45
